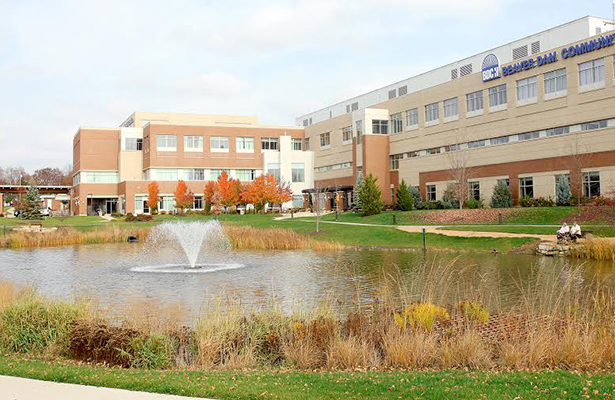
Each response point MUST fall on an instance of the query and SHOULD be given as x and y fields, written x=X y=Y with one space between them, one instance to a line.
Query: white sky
x=65 y=64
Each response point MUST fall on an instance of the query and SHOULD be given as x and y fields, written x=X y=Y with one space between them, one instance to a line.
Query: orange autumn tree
x=211 y=195
x=153 y=196
x=183 y=196
x=229 y=191
x=265 y=189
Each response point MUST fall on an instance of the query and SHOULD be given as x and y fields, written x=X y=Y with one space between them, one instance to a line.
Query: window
x=298 y=172
x=245 y=144
x=435 y=150
x=527 y=187
x=219 y=143
x=146 y=144
x=297 y=144
x=476 y=143
x=347 y=134
x=380 y=127
x=412 y=117
x=526 y=89
x=359 y=125
x=397 y=124
x=141 y=205
x=432 y=112
x=197 y=203
x=193 y=143
x=555 y=81
x=474 y=190
x=167 y=203
x=166 y=174
x=77 y=179
x=269 y=143
x=325 y=140
x=134 y=144
x=591 y=184
x=166 y=142
x=392 y=195
x=101 y=177
x=307 y=144
x=558 y=131
x=506 y=181
x=214 y=174
x=594 y=125
x=245 y=175
x=474 y=101
x=450 y=108
x=274 y=169
x=431 y=192
x=395 y=161
x=529 y=135
x=196 y=174
x=497 y=96
x=591 y=72
x=500 y=140
x=298 y=201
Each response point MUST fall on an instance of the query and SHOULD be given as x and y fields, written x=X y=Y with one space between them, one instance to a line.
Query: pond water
x=117 y=275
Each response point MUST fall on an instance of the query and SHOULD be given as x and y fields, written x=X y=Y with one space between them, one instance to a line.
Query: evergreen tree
x=405 y=202
x=31 y=204
x=502 y=196
x=562 y=190
x=416 y=196
x=370 y=196
x=356 y=199
x=449 y=197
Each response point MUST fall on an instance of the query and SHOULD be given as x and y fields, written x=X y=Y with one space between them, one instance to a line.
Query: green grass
x=521 y=216
x=276 y=384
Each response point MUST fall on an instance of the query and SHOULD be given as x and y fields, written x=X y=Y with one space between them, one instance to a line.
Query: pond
x=119 y=275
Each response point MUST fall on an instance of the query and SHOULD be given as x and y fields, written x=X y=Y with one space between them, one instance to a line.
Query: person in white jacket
x=564 y=231
x=575 y=231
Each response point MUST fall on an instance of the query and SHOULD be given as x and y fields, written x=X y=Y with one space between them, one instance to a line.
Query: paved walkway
x=12 y=388
x=446 y=232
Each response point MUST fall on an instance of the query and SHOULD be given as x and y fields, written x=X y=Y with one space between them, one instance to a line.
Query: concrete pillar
x=1 y=203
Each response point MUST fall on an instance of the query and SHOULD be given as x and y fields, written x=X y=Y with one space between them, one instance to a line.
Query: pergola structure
x=22 y=189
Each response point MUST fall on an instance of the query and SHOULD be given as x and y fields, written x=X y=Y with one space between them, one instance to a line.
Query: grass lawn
x=521 y=216
x=277 y=384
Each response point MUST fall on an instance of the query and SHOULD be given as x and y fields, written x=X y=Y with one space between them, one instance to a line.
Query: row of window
x=591 y=75
x=591 y=186
x=166 y=142
x=394 y=159
x=333 y=167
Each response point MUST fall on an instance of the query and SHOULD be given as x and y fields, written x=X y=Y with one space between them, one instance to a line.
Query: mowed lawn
x=278 y=384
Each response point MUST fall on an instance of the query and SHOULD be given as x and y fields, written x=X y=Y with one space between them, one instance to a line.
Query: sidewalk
x=12 y=388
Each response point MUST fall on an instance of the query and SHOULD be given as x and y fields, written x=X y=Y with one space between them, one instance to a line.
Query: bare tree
x=579 y=156
x=48 y=176
x=460 y=170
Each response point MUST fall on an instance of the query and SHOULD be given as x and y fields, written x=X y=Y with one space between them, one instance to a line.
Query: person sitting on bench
x=563 y=232
x=575 y=231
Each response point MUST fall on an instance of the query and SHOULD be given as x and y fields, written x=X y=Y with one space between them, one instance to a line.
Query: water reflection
x=294 y=278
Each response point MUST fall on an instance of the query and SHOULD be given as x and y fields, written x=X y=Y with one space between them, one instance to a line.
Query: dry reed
x=244 y=237
x=595 y=249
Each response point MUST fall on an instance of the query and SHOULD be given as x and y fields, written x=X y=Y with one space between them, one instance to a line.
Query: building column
x=1 y=203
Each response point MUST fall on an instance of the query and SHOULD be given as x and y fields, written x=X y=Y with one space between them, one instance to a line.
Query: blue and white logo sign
x=491 y=67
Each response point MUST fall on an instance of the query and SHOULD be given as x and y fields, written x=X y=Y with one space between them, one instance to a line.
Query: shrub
x=32 y=325
x=562 y=191
x=116 y=215
x=474 y=203
x=536 y=202
x=574 y=200
x=421 y=316
x=432 y=205
x=473 y=311
x=502 y=196
x=163 y=212
x=155 y=351
x=1 y=215
x=91 y=341
x=405 y=202
x=371 y=196
x=449 y=198
x=416 y=196
x=138 y=218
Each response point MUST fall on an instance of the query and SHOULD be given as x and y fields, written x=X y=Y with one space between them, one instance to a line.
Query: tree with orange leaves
x=265 y=189
x=153 y=196
x=211 y=195
x=183 y=197
x=228 y=190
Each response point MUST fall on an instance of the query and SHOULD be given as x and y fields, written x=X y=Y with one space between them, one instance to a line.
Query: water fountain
x=193 y=238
